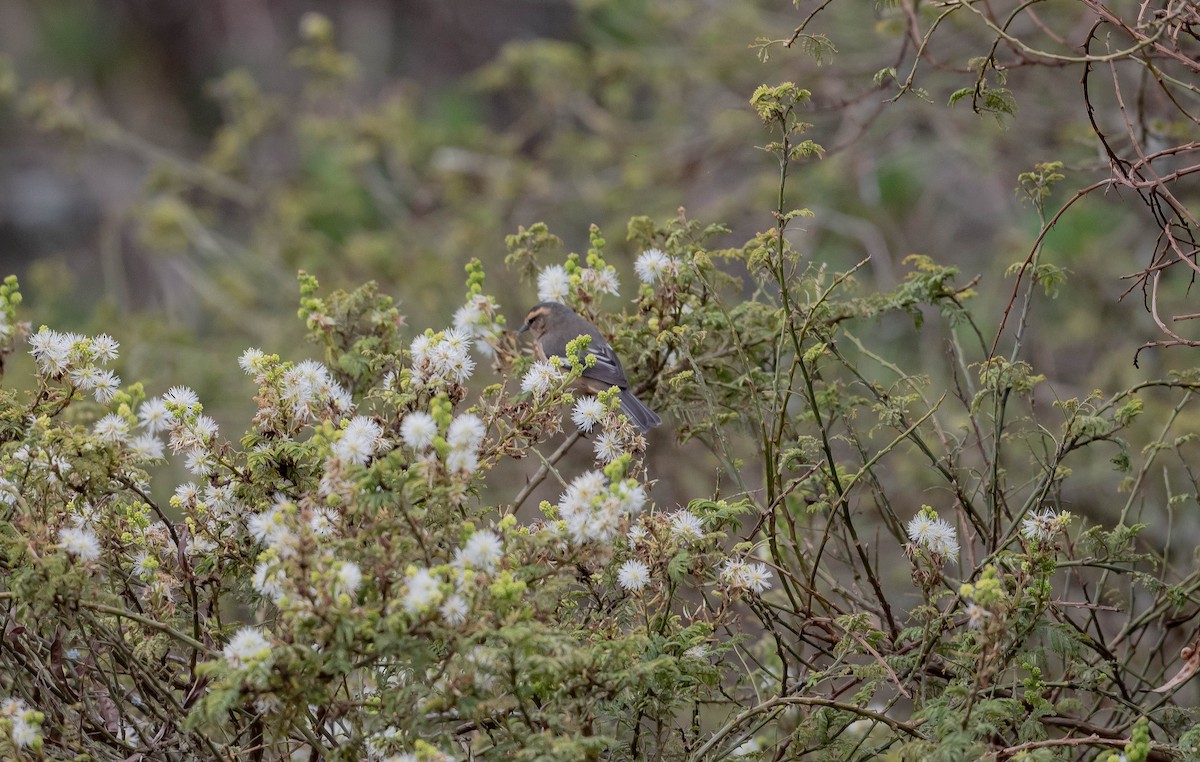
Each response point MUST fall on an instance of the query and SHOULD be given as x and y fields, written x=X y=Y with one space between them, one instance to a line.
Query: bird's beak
x=524 y=327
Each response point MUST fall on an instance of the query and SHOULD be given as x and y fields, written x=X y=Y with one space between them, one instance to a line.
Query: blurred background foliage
x=167 y=166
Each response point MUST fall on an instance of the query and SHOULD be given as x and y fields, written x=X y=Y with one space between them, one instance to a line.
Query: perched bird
x=554 y=324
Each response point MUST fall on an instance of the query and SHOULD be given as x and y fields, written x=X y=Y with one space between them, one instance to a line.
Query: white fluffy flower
x=593 y=510
x=105 y=386
x=757 y=577
x=687 y=526
x=269 y=580
x=418 y=430
x=309 y=388
x=187 y=493
x=653 y=265
x=86 y=377
x=554 y=285
x=943 y=540
x=104 y=348
x=79 y=542
x=423 y=591
x=322 y=522
x=181 y=396
x=478 y=316
x=601 y=281
x=740 y=575
x=469 y=314
x=454 y=610
x=541 y=378
x=450 y=358
x=203 y=430
x=933 y=534
x=419 y=348
x=588 y=412
x=273 y=528
x=462 y=461
x=607 y=447
x=636 y=535
x=633 y=576
x=1041 y=526
x=25 y=730
x=466 y=432
x=977 y=616
x=112 y=428
x=199 y=462
x=347 y=579
x=147 y=448
x=52 y=350
x=250 y=360
x=153 y=416
x=919 y=527
x=483 y=550
x=631 y=496
x=359 y=440
x=145 y=566
x=246 y=648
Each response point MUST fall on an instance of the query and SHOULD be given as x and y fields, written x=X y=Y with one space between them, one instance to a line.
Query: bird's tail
x=642 y=416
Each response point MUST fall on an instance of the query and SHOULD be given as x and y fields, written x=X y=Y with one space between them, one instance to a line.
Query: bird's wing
x=607 y=371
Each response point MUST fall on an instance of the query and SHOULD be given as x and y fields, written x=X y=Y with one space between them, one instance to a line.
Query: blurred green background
x=166 y=166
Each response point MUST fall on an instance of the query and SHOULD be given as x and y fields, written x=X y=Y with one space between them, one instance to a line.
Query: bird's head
x=542 y=316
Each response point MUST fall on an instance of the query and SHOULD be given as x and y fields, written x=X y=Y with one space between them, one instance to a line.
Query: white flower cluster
x=214 y=511
x=653 y=266
x=1041 y=526
x=79 y=542
x=478 y=317
x=740 y=575
x=554 y=283
x=597 y=282
x=247 y=648
x=633 y=576
x=276 y=528
x=593 y=509
x=615 y=439
x=439 y=359
x=424 y=590
x=543 y=376
x=270 y=578
x=608 y=446
x=934 y=535
x=310 y=391
x=76 y=356
x=360 y=440
x=686 y=526
x=977 y=616
x=8 y=492
x=26 y=724
x=347 y=578
x=482 y=551
x=464 y=436
x=588 y=412
x=418 y=430
x=454 y=610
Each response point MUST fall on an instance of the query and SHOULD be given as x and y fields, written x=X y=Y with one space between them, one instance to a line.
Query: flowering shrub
x=342 y=580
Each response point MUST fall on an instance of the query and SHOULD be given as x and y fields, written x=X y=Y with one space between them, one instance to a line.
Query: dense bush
x=341 y=582
x=897 y=539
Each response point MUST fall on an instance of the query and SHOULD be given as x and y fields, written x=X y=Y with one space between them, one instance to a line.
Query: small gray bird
x=554 y=324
